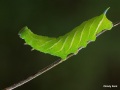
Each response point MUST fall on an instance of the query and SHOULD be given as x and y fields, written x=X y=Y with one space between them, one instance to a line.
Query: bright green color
x=70 y=42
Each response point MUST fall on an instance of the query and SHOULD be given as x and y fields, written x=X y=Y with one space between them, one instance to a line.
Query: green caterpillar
x=70 y=42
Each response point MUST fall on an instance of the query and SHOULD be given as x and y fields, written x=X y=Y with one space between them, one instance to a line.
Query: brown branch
x=47 y=68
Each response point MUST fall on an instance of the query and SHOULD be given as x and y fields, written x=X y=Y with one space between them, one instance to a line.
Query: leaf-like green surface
x=70 y=42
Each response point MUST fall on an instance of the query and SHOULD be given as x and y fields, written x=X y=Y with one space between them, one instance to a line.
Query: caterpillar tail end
x=106 y=10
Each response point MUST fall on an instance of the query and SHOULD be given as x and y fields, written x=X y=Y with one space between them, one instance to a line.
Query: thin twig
x=47 y=68
x=116 y=24
x=34 y=75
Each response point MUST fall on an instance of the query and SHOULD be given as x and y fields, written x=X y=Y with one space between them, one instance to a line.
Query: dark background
x=90 y=69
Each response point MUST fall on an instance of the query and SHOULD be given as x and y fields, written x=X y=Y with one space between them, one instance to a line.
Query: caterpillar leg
x=76 y=52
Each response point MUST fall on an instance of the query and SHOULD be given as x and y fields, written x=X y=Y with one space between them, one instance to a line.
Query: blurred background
x=90 y=69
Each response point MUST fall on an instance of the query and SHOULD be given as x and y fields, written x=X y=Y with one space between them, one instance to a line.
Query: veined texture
x=70 y=42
